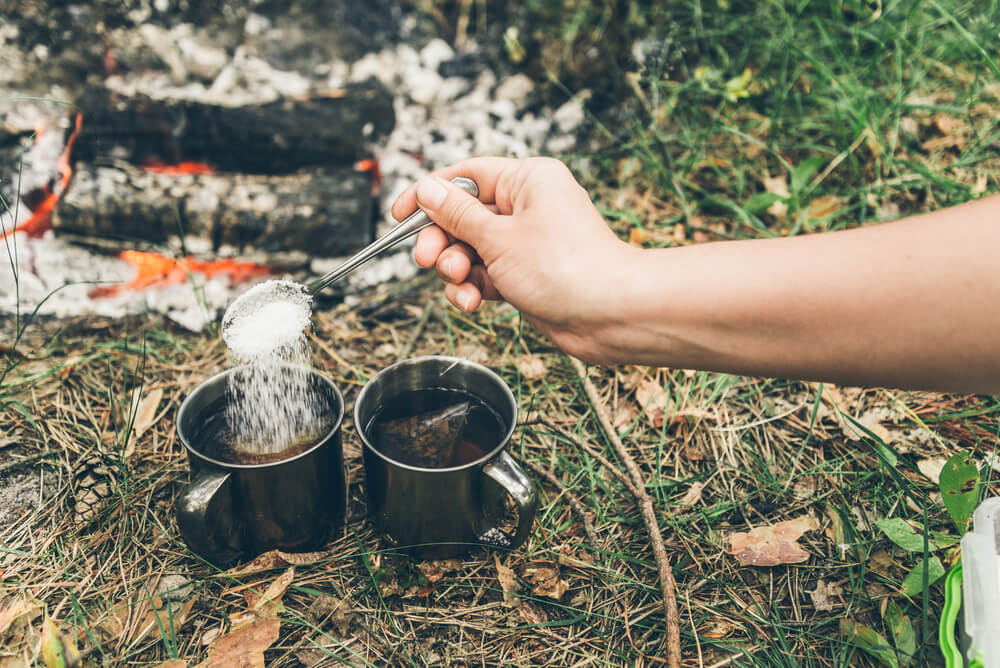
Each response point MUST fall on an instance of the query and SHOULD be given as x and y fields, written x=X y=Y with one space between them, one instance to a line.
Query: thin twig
x=574 y=503
x=648 y=516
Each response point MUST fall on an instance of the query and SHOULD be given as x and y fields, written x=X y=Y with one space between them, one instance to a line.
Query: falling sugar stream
x=272 y=405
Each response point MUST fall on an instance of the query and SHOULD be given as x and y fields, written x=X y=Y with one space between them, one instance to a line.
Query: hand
x=533 y=239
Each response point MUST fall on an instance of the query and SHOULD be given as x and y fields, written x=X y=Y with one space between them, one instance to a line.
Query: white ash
x=55 y=278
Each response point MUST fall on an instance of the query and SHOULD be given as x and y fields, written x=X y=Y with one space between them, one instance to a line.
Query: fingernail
x=447 y=267
x=465 y=300
x=430 y=193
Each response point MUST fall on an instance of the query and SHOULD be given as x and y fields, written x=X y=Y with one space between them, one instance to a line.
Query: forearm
x=913 y=304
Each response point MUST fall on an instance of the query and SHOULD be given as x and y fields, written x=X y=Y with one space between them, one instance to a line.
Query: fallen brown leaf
x=14 y=610
x=435 y=570
x=693 y=495
x=652 y=398
x=823 y=207
x=546 y=581
x=243 y=646
x=275 y=559
x=269 y=602
x=532 y=614
x=172 y=663
x=145 y=412
x=637 y=236
x=625 y=415
x=822 y=594
x=719 y=629
x=772 y=545
x=508 y=582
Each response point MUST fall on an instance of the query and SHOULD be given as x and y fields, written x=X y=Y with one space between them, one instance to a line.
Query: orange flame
x=153 y=269
x=41 y=218
x=371 y=165
x=185 y=167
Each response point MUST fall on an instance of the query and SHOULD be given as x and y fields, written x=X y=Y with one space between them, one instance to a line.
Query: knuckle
x=462 y=212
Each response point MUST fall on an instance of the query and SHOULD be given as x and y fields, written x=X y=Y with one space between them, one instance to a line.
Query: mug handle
x=206 y=518
x=509 y=475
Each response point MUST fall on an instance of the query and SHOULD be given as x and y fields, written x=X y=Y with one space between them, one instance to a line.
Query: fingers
x=469 y=295
x=458 y=213
x=485 y=172
x=430 y=243
x=464 y=296
x=455 y=262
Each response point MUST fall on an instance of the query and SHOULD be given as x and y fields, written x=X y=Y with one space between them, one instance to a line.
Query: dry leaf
x=948 y=125
x=509 y=584
x=546 y=581
x=718 y=629
x=693 y=495
x=822 y=594
x=243 y=646
x=533 y=615
x=625 y=415
x=532 y=367
x=637 y=236
x=270 y=601
x=275 y=559
x=772 y=545
x=172 y=663
x=145 y=412
x=15 y=610
x=931 y=468
x=435 y=570
x=823 y=207
x=653 y=399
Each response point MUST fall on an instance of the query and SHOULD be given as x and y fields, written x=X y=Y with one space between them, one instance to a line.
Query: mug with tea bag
x=435 y=431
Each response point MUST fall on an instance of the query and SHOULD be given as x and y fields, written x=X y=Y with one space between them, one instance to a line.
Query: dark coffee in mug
x=216 y=438
x=435 y=427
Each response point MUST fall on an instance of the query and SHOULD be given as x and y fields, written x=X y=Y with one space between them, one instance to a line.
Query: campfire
x=189 y=162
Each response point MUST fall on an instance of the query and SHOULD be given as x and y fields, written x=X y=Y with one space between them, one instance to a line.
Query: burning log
x=274 y=138
x=323 y=212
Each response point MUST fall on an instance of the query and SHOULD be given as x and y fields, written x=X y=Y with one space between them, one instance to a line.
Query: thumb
x=457 y=212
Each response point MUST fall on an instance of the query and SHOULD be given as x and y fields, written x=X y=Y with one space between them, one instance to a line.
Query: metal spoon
x=269 y=291
x=410 y=225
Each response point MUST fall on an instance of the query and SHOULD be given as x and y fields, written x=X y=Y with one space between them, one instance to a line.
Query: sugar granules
x=271 y=403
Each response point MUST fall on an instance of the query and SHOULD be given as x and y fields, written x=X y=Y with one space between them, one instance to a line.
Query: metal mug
x=443 y=512
x=232 y=511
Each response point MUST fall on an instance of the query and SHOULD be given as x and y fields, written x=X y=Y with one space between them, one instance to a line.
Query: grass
x=862 y=111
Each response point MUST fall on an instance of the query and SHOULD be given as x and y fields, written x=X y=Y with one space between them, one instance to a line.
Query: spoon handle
x=409 y=226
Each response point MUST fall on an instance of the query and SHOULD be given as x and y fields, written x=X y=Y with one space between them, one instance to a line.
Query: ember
x=153 y=269
x=41 y=216
x=183 y=167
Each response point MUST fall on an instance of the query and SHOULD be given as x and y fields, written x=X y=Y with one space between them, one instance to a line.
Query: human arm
x=911 y=304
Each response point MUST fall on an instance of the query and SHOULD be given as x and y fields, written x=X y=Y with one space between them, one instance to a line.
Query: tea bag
x=427 y=440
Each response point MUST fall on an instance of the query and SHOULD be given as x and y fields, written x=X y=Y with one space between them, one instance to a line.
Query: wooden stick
x=648 y=515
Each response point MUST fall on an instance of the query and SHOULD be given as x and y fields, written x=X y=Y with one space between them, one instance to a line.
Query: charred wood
x=273 y=138
x=322 y=212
